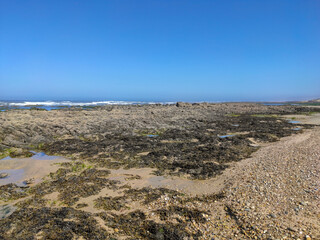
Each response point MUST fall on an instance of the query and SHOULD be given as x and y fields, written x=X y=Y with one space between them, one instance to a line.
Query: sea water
x=52 y=105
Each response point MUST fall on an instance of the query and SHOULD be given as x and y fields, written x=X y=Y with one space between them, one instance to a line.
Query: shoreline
x=222 y=194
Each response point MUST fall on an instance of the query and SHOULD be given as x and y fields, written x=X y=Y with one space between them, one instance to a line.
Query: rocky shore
x=184 y=171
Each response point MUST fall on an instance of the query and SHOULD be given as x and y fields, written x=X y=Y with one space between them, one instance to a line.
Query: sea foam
x=70 y=103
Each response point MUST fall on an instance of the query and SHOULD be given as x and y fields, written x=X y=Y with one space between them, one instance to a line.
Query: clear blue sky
x=159 y=50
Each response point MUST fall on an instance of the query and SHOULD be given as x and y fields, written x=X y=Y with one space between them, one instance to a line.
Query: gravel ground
x=275 y=194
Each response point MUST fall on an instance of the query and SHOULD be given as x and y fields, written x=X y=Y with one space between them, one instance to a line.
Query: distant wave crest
x=70 y=103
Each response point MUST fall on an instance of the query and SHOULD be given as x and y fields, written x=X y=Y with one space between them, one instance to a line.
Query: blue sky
x=164 y=50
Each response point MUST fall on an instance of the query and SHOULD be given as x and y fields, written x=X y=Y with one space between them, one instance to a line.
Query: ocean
x=51 y=105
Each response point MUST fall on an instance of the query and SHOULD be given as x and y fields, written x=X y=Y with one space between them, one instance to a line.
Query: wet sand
x=23 y=169
x=313 y=118
x=144 y=177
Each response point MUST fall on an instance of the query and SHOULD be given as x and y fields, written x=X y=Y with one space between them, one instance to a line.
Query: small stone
x=292 y=229
x=307 y=237
x=272 y=215
x=29 y=181
x=3 y=175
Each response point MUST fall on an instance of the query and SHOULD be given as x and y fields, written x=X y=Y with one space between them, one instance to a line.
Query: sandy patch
x=144 y=177
x=20 y=169
x=305 y=119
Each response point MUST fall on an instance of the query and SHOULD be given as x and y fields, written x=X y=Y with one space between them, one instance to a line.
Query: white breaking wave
x=69 y=103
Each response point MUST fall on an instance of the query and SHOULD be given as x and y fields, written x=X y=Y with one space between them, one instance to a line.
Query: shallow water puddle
x=292 y=121
x=152 y=135
x=43 y=156
x=226 y=136
x=14 y=176
x=22 y=169
x=297 y=129
x=37 y=156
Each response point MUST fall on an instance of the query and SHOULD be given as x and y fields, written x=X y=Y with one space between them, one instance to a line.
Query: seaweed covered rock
x=51 y=223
